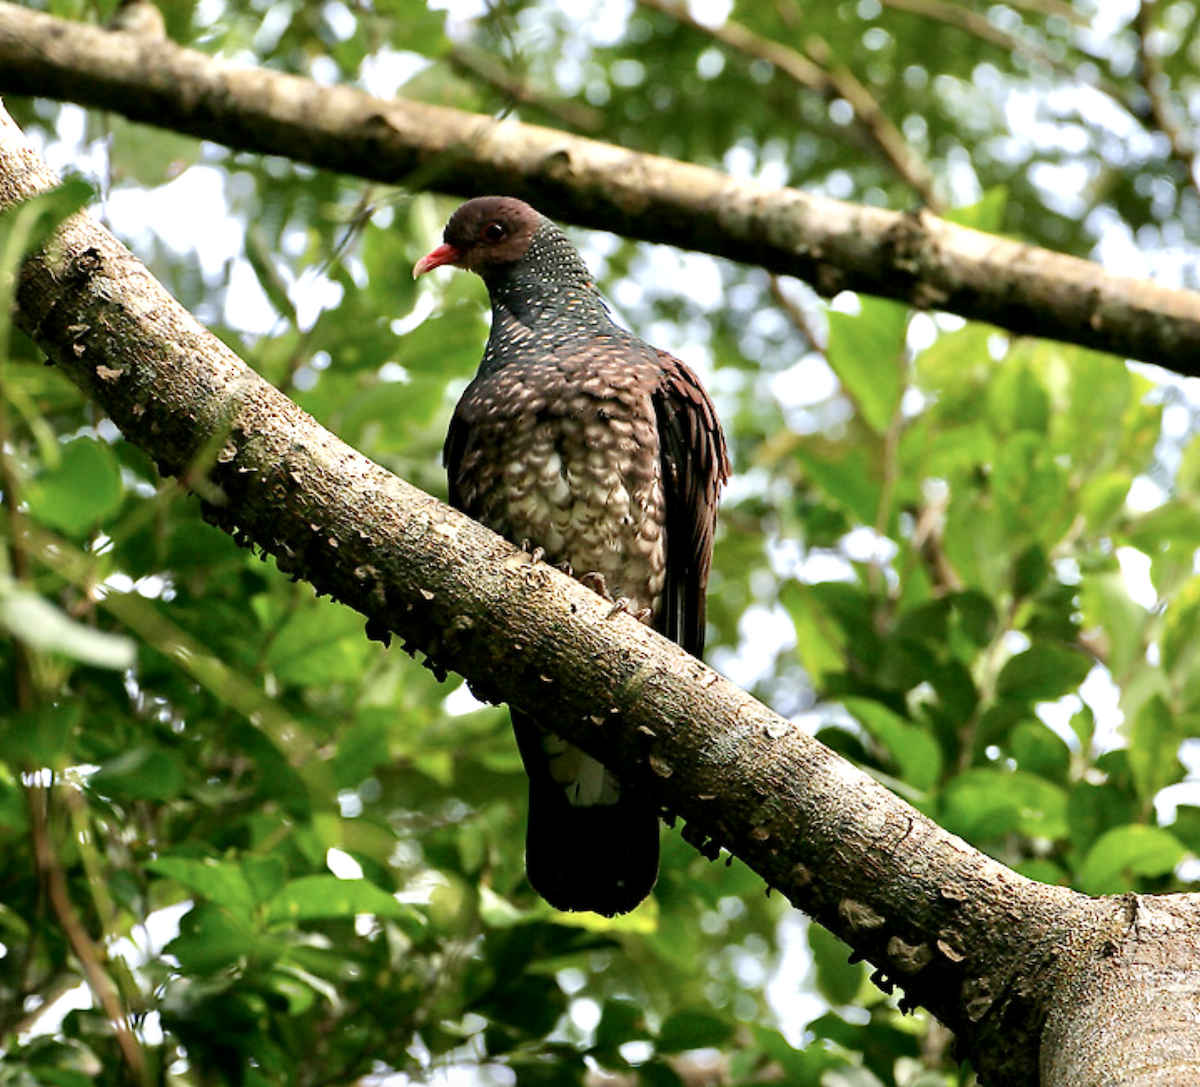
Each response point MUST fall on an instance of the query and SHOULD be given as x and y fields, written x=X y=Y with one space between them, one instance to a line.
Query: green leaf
x=445 y=344
x=1017 y=400
x=801 y=1067
x=1102 y=498
x=1107 y=607
x=1043 y=673
x=1030 y=491
x=386 y=412
x=360 y=750
x=838 y=979
x=1094 y=809
x=1039 y=750
x=27 y=227
x=983 y=805
x=1154 y=738
x=328 y=897
x=42 y=736
x=658 y=1073
x=61 y=1077
x=820 y=642
x=43 y=626
x=1187 y=826
x=149 y=156
x=221 y=882
x=1117 y=858
x=620 y=1021
x=847 y=475
x=986 y=214
x=1043 y=870
x=81 y=491
x=686 y=1030
x=866 y=351
x=142 y=773
x=531 y=1004
x=912 y=748
x=265 y=875
x=318 y=645
x=211 y=939
x=1180 y=639
x=389 y=256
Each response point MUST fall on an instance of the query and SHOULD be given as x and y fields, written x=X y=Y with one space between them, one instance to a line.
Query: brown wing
x=695 y=465
x=452 y=457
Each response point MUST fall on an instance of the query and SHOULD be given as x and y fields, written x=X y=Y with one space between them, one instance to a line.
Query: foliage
x=297 y=857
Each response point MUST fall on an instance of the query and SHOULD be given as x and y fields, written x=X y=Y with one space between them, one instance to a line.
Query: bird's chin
x=443 y=254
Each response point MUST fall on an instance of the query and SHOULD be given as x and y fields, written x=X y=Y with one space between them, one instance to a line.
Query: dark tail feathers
x=602 y=858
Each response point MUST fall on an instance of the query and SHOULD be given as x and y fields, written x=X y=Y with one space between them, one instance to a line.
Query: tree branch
x=918 y=258
x=932 y=913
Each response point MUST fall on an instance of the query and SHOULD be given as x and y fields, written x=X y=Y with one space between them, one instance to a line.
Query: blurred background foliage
x=277 y=853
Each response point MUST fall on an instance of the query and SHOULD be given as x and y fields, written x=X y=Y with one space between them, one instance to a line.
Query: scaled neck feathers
x=549 y=282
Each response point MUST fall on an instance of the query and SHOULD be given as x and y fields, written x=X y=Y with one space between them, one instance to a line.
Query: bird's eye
x=494 y=232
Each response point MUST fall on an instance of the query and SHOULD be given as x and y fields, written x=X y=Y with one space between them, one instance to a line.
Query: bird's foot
x=619 y=605
x=594 y=580
x=624 y=604
x=536 y=554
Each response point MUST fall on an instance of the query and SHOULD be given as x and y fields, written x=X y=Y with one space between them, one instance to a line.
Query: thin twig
x=1154 y=80
x=485 y=67
x=978 y=26
x=896 y=149
x=103 y=989
x=821 y=76
x=796 y=314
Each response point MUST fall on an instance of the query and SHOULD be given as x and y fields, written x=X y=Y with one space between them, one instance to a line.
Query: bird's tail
x=601 y=856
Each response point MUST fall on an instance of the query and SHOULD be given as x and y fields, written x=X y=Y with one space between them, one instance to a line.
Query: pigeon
x=603 y=455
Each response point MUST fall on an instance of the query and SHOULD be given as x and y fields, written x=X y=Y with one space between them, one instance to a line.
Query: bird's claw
x=594 y=580
x=536 y=554
x=624 y=604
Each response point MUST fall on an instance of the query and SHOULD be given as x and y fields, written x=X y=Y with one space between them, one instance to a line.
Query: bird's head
x=485 y=235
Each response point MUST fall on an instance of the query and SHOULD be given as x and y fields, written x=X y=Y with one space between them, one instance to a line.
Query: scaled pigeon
x=584 y=441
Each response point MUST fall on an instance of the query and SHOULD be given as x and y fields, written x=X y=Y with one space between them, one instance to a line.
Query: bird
x=603 y=455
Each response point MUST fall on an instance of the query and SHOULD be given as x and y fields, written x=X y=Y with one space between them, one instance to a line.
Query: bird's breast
x=572 y=465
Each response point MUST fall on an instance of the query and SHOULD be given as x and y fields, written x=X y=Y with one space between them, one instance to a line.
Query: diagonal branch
x=918 y=258
x=934 y=914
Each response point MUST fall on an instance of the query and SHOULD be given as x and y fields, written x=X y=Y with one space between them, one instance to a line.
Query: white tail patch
x=586 y=782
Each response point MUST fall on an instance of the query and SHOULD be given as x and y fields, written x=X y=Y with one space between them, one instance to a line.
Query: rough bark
x=983 y=948
x=916 y=258
x=1131 y=1015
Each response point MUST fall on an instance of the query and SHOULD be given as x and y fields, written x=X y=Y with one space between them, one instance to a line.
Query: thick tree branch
x=991 y=953
x=921 y=904
x=916 y=258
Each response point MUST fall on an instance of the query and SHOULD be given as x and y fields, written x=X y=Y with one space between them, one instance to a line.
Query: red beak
x=443 y=254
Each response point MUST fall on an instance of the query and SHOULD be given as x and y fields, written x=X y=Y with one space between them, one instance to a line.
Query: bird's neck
x=525 y=303
x=530 y=299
